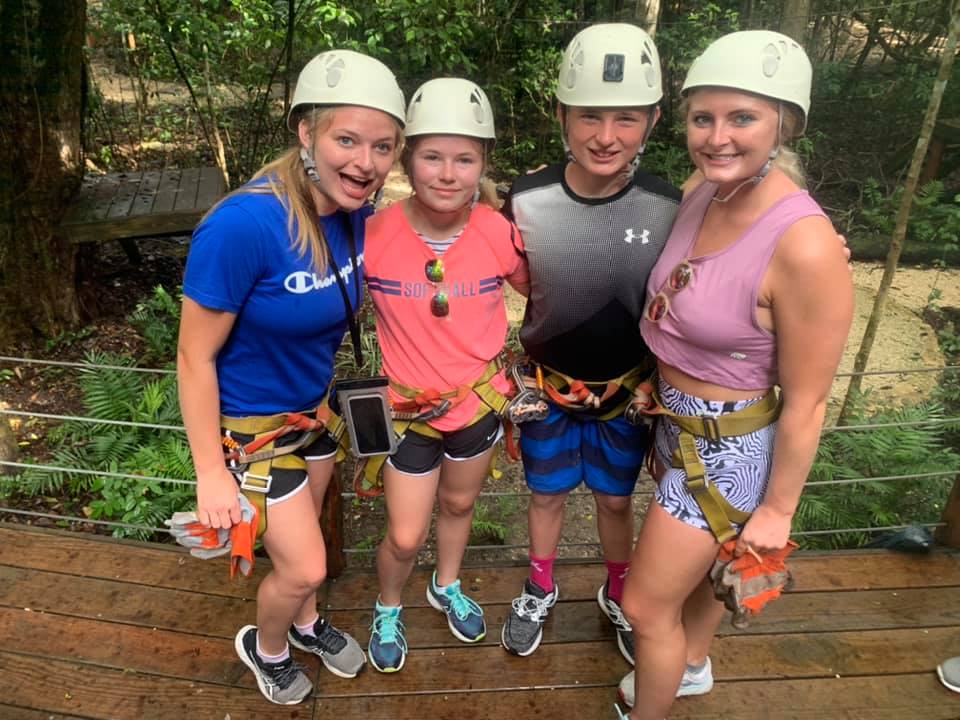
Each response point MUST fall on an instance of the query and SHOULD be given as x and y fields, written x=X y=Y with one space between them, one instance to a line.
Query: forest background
x=157 y=83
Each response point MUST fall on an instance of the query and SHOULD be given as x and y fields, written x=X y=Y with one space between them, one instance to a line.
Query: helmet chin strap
x=309 y=166
x=767 y=166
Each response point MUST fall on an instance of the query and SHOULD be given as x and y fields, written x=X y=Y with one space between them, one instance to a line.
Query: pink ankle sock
x=616 y=575
x=308 y=629
x=541 y=571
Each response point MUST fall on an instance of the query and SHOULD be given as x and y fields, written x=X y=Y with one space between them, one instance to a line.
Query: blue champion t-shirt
x=290 y=321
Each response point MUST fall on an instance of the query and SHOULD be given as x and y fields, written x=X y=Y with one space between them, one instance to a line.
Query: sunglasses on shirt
x=678 y=279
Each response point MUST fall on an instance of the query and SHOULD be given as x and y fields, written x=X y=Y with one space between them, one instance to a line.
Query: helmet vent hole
x=771 y=60
x=477 y=106
x=335 y=72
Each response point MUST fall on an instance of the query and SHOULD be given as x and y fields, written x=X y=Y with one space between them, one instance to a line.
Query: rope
x=84 y=366
x=495 y=494
x=161 y=371
x=73 y=518
x=101 y=473
x=912 y=423
x=92 y=421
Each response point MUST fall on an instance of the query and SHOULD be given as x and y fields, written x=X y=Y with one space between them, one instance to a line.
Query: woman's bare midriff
x=702 y=389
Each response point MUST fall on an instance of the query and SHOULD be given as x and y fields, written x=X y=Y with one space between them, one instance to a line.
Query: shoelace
x=388 y=626
x=616 y=615
x=463 y=607
x=283 y=673
x=531 y=606
x=330 y=639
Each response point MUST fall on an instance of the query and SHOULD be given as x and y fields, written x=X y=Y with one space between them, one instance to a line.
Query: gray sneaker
x=283 y=683
x=340 y=653
x=693 y=683
x=611 y=608
x=523 y=630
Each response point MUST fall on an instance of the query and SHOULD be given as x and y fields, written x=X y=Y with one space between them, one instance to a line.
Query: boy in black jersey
x=593 y=228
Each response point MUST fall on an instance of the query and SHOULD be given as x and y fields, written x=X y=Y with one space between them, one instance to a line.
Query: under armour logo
x=630 y=236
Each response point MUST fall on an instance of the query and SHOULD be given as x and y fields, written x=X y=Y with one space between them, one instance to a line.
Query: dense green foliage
x=874 y=71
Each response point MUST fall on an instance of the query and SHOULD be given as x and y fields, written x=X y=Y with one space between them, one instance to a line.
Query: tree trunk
x=40 y=162
x=794 y=20
x=647 y=13
x=903 y=216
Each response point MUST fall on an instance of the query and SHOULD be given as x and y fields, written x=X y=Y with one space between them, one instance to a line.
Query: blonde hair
x=488 y=188
x=787 y=159
x=287 y=180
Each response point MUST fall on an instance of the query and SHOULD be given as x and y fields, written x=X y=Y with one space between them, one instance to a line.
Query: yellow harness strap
x=368 y=481
x=256 y=480
x=719 y=513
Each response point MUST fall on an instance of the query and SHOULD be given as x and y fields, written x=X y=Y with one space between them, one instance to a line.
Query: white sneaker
x=693 y=683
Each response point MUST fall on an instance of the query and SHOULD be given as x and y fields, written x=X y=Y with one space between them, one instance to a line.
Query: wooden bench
x=123 y=206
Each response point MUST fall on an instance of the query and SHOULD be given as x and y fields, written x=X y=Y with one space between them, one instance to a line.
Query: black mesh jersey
x=589 y=262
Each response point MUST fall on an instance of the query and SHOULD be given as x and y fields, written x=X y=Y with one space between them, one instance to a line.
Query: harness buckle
x=256 y=483
x=711 y=428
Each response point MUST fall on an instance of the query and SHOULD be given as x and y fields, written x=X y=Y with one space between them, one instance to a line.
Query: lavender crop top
x=711 y=331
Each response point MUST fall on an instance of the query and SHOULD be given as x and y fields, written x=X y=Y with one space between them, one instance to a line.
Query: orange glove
x=206 y=542
x=747 y=583
x=243 y=536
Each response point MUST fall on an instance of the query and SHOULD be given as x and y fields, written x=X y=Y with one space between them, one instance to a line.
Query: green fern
x=901 y=449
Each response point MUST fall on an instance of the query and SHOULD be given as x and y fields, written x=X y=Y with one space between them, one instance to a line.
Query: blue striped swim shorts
x=565 y=449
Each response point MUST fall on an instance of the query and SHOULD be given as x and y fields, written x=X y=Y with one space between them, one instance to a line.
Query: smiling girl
x=262 y=318
x=436 y=266
x=751 y=291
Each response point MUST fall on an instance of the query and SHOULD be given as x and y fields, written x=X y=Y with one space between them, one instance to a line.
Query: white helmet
x=610 y=65
x=758 y=61
x=450 y=106
x=345 y=77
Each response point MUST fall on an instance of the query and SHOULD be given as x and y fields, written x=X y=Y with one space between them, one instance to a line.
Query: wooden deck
x=140 y=204
x=94 y=628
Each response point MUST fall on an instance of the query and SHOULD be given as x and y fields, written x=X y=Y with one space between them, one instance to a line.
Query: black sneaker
x=611 y=608
x=283 y=683
x=523 y=630
x=340 y=653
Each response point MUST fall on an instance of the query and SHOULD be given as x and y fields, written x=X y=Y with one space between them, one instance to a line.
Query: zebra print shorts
x=738 y=466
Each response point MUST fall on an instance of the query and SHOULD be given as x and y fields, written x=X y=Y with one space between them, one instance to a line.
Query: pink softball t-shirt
x=421 y=350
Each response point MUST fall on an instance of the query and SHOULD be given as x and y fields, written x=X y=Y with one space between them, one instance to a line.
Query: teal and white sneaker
x=388 y=646
x=694 y=682
x=464 y=616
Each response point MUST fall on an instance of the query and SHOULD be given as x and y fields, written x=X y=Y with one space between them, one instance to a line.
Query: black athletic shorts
x=419 y=454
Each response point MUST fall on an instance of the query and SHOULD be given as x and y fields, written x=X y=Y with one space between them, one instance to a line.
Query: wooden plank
x=153 y=564
x=168 y=566
x=900 y=697
x=210 y=659
x=126 y=192
x=187 y=192
x=167 y=190
x=210 y=187
x=146 y=193
x=577 y=621
x=93 y=201
x=173 y=223
x=141 y=649
x=56 y=686
x=9 y=712
x=871 y=569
